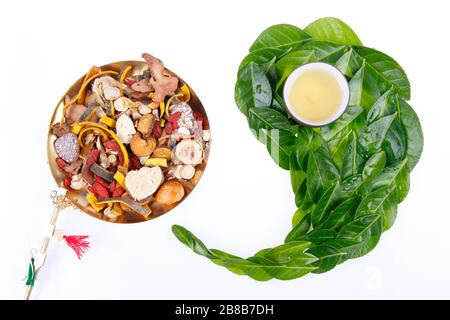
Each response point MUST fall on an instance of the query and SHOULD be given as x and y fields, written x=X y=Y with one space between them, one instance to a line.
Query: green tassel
x=31 y=273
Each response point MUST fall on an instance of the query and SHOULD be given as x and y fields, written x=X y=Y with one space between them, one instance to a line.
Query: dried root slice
x=100 y=171
x=144 y=182
x=136 y=207
x=170 y=192
x=123 y=104
x=125 y=128
x=189 y=152
x=163 y=152
x=187 y=172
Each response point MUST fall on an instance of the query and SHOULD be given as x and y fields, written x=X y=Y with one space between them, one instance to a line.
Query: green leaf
x=382 y=107
x=333 y=29
x=387 y=69
x=338 y=147
x=299 y=230
x=374 y=165
x=262 y=56
x=305 y=205
x=252 y=89
x=324 y=206
x=348 y=63
x=267 y=118
x=353 y=160
x=395 y=175
x=278 y=104
x=349 y=248
x=364 y=229
x=297 y=174
x=365 y=88
x=342 y=213
x=241 y=266
x=319 y=236
x=413 y=131
x=382 y=202
x=350 y=114
x=372 y=137
x=290 y=62
x=321 y=171
x=325 y=51
x=190 y=240
x=279 y=35
x=288 y=251
x=292 y=269
x=273 y=129
x=328 y=257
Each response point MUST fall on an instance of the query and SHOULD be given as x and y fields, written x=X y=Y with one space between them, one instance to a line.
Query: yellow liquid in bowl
x=315 y=96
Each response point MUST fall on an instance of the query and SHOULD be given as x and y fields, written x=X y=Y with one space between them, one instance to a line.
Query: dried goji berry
x=118 y=192
x=92 y=157
x=101 y=181
x=100 y=190
x=114 y=146
x=112 y=186
x=61 y=163
x=135 y=163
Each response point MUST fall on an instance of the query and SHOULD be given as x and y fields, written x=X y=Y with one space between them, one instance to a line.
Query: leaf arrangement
x=349 y=176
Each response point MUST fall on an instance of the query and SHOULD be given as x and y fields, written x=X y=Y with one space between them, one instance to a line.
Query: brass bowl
x=78 y=197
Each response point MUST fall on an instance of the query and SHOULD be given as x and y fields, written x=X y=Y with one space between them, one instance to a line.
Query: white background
x=244 y=201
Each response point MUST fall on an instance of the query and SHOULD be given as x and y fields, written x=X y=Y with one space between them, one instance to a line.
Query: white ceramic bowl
x=340 y=78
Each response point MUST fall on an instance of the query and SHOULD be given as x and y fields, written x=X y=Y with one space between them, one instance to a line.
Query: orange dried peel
x=93 y=70
x=110 y=122
x=96 y=132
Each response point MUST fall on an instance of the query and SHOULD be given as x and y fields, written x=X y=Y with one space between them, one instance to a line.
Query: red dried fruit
x=66 y=182
x=100 y=190
x=91 y=190
x=129 y=81
x=156 y=131
x=112 y=186
x=168 y=128
x=89 y=161
x=135 y=163
x=174 y=117
x=118 y=192
x=199 y=117
x=61 y=163
x=113 y=146
x=92 y=157
x=101 y=181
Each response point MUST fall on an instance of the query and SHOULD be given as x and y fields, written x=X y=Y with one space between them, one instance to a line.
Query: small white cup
x=343 y=83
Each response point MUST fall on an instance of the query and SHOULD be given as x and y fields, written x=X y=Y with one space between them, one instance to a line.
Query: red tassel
x=78 y=244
